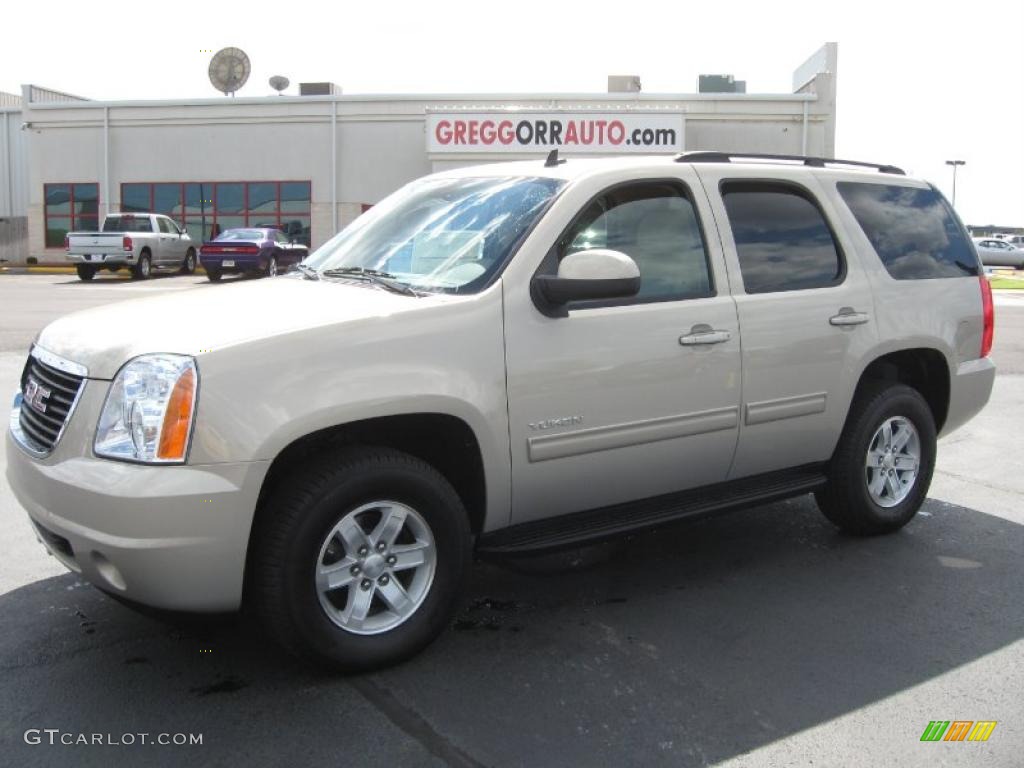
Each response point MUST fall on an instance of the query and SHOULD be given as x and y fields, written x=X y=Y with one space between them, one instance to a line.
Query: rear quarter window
x=913 y=230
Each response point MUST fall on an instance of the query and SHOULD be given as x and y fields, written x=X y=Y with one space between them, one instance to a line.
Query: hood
x=215 y=316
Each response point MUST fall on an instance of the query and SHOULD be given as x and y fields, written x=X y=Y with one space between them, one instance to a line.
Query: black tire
x=846 y=500
x=85 y=272
x=188 y=266
x=293 y=525
x=213 y=275
x=143 y=268
x=271 y=270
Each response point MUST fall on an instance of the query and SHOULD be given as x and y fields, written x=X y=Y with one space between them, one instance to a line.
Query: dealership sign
x=575 y=131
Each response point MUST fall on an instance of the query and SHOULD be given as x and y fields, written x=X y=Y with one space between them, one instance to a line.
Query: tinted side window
x=912 y=230
x=164 y=226
x=782 y=239
x=656 y=225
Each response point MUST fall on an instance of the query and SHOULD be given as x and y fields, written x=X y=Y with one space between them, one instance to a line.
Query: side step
x=566 y=531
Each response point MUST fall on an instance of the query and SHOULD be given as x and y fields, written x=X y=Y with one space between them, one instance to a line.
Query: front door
x=630 y=398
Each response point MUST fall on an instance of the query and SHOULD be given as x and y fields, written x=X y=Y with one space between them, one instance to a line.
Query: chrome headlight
x=149 y=409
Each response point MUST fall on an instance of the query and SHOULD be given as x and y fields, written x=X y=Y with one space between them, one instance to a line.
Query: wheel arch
x=925 y=369
x=446 y=442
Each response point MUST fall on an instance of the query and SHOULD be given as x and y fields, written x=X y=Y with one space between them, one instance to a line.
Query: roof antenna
x=553 y=161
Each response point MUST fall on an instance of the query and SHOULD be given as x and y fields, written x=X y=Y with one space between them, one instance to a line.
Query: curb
x=55 y=270
x=40 y=270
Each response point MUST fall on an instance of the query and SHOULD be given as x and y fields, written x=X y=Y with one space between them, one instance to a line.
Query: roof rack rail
x=814 y=162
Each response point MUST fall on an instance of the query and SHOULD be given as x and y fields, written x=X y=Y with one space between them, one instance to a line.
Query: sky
x=918 y=83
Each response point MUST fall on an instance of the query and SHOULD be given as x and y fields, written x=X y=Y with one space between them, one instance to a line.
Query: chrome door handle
x=847 y=316
x=703 y=334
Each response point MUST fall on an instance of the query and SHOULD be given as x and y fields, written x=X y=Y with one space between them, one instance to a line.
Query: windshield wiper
x=384 y=279
x=307 y=271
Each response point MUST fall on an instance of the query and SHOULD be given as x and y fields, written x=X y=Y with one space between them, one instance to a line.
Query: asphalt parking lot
x=760 y=638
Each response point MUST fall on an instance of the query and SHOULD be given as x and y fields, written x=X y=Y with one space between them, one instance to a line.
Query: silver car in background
x=999 y=253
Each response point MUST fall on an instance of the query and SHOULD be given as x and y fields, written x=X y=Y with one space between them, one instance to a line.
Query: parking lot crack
x=413 y=724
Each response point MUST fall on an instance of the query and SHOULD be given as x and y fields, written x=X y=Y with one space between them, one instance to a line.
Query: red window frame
x=212 y=218
x=71 y=216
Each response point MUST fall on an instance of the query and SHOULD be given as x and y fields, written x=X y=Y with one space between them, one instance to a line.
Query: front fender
x=258 y=397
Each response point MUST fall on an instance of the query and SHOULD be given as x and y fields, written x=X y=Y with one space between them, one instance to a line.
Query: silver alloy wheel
x=144 y=266
x=893 y=461
x=375 y=567
x=190 y=262
x=272 y=267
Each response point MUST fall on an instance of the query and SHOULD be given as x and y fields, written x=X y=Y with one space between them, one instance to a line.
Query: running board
x=592 y=525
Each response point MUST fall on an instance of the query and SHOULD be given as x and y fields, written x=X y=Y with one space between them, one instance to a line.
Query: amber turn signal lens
x=178 y=418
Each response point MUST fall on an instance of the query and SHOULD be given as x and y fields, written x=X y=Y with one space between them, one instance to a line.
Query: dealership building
x=310 y=164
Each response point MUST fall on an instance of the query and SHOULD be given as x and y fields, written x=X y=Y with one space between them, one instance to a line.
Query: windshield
x=440 y=233
x=240 y=234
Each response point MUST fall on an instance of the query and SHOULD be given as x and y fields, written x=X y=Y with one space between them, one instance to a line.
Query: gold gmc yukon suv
x=506 y=359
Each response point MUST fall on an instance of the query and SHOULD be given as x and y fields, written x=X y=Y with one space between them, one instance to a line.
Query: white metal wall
x=376 y=144
x=13 y=165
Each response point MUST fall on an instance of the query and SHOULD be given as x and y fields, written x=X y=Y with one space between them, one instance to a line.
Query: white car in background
x=999 y=253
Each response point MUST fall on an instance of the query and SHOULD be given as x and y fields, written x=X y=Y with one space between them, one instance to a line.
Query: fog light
x=108 y=571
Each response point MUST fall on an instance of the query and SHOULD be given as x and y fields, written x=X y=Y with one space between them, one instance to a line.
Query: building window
x=69 y=208
x=207 y=208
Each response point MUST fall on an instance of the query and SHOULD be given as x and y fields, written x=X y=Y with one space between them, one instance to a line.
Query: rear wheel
x=882 y=467
x=271 y=270
x=213 y=275
x=360 y=558
x=85 y=271
x=189 y=265
x=144 y=267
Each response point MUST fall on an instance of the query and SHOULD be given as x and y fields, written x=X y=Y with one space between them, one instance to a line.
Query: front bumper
x=172 y=537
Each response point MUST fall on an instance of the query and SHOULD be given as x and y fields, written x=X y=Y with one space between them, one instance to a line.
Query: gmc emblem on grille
x=35 y=395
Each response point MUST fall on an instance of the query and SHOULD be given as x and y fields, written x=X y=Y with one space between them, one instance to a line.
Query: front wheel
x=360 y=558
x=85 y=272
x=882 y=468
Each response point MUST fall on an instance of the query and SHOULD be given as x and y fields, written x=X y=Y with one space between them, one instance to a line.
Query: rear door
x=165 y=249
x=630 y=398
x=805 y=312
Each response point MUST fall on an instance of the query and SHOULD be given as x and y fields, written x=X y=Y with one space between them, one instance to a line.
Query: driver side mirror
x=598 y=273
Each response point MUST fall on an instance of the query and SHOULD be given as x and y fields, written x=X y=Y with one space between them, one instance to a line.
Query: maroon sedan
x=253 y=250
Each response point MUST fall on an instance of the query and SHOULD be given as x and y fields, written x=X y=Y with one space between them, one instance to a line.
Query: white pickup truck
x=140 y=241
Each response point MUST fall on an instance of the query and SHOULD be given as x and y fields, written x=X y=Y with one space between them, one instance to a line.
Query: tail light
x=988 y=310
x=126 y=243
x=67 y=243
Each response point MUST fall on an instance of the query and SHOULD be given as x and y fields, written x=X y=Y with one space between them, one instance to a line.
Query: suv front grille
x=48 y=397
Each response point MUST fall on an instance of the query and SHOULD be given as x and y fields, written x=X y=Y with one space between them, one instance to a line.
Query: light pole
x=955 y=163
